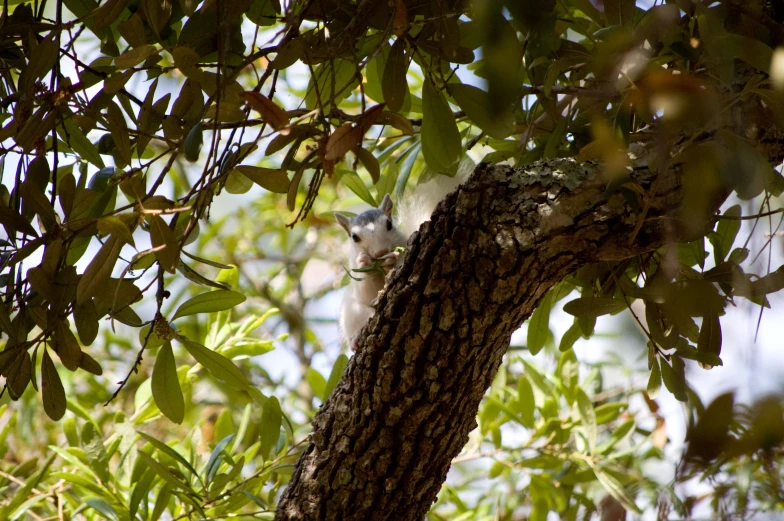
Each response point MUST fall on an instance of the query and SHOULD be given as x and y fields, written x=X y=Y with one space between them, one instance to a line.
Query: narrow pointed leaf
x=441 y=143
x=52 y=390
x=218 y=365
x=209 y=302
x=162 y=235
x=269 y=426
x=394 y=85
x=99 y=270
x=166 y=386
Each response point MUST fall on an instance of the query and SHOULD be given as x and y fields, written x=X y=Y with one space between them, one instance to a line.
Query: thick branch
x=382 y=444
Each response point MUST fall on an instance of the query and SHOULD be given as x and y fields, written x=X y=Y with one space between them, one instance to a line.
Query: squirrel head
x=373 y=231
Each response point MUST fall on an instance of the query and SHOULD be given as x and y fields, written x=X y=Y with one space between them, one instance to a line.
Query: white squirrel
x=374 y=237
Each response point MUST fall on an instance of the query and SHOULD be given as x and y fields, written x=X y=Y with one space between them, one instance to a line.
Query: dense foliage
x=131 y=128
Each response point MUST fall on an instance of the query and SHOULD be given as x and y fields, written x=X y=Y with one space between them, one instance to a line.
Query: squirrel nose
x=380 y=253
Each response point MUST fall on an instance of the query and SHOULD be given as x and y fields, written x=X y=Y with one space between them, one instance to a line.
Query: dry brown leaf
x=343 y=139
x=270 y=112
x=400 y=23
x=369 y=117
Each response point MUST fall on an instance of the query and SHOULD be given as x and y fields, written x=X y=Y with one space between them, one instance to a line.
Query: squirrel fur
x=374 y=235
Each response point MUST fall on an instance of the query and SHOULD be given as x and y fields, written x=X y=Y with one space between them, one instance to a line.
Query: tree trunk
x=382 y=444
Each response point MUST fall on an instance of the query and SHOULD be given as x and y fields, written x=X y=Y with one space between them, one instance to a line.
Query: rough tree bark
x=382 y=444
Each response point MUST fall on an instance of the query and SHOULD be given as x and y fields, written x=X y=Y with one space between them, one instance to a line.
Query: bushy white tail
x=416 y=206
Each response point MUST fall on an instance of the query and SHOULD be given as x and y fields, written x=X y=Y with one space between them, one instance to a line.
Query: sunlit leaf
x=269 y=426
x=93 y=446
x=594 y=306
x=539 y=325
x=334 y=376
x=218 y=365
x=166 y=386
x=209 y=302
x=588 y=417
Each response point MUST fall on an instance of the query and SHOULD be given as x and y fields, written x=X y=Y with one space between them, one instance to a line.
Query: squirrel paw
x=353 y=342
x=390 y=260
x=364 y=260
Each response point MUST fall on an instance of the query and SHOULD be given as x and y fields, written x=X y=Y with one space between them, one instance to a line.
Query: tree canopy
x=170 y=169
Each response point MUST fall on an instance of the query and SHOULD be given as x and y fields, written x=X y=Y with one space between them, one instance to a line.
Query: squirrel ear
x=344 y=221
x=386 y=206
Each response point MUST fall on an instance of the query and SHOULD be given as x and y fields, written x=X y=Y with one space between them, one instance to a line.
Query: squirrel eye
x=355 y=237
x=389 y=225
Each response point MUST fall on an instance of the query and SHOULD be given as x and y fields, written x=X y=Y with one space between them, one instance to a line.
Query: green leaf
x=165 y=449
x=103 y=507
x=386 y=185
x=52 y=390
x=210 y=302
x=614 y=487
x=539 y=325
x=163 y=237
x=570 y=337
x=441 y=143
x=216 y=457
x=394 y=84
x=525 y=399
x=770 y=283
x=370 y=163
x=274 y=180
x=724 y=236
x=72 y=135
x=291 y=195
x=224 y=425
x=96 y=452
x=218 y=365
x=269 y=426
x=191 y=274
x=588 y=417
x=356 y=185
x=316 y=382
x=161 y=502
x=537 y=379
x=166 y=386
x=751 y=50
x=710 y=335
x=691 y=253
x=673 y=381
x=99 y=270
x=106 y=14
x=193 y=142
x=134 y=57
x=334 y=376
x=67 y=346
x=159 y=469
x=608 y=412
x=236 y=183
x=655 y=380
x=42 y=59
x=336 y=80
x=476 y=104
x=140 y=491
x=86 y=320
x=592 y=307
